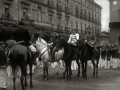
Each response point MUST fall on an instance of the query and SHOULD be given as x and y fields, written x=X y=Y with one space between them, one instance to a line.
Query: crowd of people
x=21 y=35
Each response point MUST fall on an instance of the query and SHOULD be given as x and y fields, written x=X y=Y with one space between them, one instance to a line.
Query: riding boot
x=34 y=58
x=52 y=56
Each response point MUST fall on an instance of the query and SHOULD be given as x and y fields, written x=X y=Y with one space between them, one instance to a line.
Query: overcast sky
x=105 y=14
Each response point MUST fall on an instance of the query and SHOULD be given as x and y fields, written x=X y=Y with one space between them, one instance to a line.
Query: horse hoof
x=31 y=86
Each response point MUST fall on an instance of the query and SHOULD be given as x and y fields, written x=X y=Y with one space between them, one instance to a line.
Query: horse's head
x=60 y=43
x=80 y=43
x=35 y=37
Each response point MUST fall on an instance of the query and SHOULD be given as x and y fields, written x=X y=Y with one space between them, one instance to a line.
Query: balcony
x=67 y=10
x=24 y=2
x=8 y=21
x=51 y=4
x=67 y=29
x=59 y=7
x=77 y=14
x=59 y=27
x=50 y=10
x=42 y=24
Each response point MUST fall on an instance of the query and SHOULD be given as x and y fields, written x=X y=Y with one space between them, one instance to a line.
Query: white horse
x=43 y=49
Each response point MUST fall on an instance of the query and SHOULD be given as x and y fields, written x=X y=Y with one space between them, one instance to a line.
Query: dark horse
x=85 y=53
x=68 y=56
x=20 y=56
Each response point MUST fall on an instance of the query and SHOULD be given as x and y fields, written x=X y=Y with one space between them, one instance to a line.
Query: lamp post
x=115 y=2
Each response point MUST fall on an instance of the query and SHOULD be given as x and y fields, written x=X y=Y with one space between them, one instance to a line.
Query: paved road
x=108 y=80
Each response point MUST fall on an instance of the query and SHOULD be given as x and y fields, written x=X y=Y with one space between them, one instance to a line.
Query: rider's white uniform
x=73 y=38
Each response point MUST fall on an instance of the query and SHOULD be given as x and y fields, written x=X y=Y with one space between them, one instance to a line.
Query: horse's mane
x=41 y=40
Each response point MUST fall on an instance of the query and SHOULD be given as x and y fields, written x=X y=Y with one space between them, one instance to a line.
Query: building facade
x=105 y=38
x=114 y=24
x=58 y=15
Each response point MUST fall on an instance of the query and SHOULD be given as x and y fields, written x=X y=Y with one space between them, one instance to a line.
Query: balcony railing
x=67 y=28
x=51 y=4
x=6 y=16
x=39 y=23
x=59 y=7
x=67 y=10
x=7 y=21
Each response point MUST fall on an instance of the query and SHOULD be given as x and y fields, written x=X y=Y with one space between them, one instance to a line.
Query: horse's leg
x=47 y=72
x=58 y=67
x=85 y=69
x=43 y=71
x=14 y=78
x=31 y=84
x=78 y=63
x=25 y=77
x=70 y=71
x=94 y=67
x=22 y=77
x=97 y=68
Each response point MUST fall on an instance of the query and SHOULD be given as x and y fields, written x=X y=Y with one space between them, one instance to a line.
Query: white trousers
x=3 y=78
x=115 y=63
x=74 y=65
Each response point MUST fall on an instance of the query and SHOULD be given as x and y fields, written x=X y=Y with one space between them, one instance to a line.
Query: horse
x=68 y=56
x=44 y=53
x=20 y=55
x=85 y=53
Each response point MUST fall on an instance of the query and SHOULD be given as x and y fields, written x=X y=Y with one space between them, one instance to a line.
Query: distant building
x=114 y=24
x=105 y=38
x=58 y=15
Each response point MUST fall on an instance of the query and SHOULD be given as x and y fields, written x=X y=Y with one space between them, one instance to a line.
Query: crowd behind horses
x=109 y=55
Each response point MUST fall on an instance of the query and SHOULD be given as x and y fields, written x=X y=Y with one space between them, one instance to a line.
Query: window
x=76 y=25
x=25 y=13
x=7 y=11
x=81 y=27
x=81 y=10
x=59 y=1
x=76 y=7
x=59 y=20
x=50 y=18
x=89 y=13
x=85 y=11
x=85 y=26
x=92 y=29
x=66 y=22
x=66 y=3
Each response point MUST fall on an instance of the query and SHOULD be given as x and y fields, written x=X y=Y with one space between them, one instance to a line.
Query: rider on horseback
x=73 y=37
x=22 y=36
x=90 y=39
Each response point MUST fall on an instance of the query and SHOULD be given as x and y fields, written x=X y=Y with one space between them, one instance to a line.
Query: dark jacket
x=3 y=59
x=22 y=34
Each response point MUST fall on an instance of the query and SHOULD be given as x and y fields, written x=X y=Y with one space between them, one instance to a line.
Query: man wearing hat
x=90 y=38
x=73 y=37
x=72 y=40
x=22 y=35
x=3 y=64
